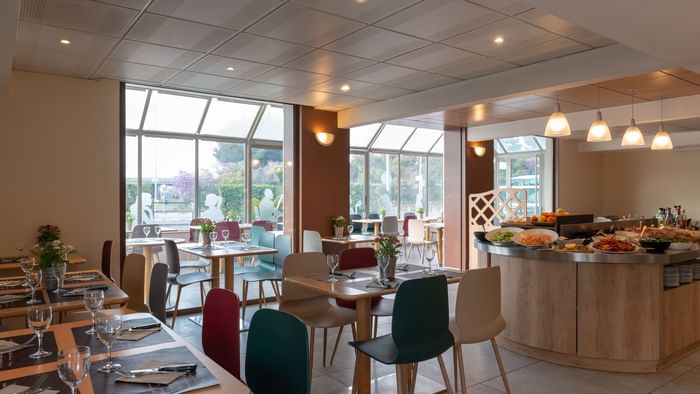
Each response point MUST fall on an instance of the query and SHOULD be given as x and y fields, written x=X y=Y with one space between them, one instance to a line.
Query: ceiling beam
x=596 y=65
x=9 y=12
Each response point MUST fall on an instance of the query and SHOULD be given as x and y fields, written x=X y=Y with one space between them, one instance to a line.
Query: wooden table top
x=113 y=295
x=136 y=242
x=224 y=249
x=65 y=339
x=353 y=239
x=435 y=225
x=72 y=259
x=367 y=221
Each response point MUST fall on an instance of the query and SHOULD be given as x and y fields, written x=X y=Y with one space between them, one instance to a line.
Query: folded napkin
x=376 y=285
x=6 y=345
x=16 y=388
x=161 y=378
x=10 y=283
x=81 y=278
x=137 y=335
x=6 y=298
x=80 y=291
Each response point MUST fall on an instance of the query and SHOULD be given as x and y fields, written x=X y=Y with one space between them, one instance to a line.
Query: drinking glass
x=429 y=255
x=157 y=230
x=245 y=239
x=383 y=263
x=93 y=301
x=33 y=280
x=350 y=229
x=39 y=320
x=27 y=265
x=212 y=236
x=146 y=231
x=225 y=234
x=59 y=272
x=332 y=261
x=109 y=328
x=73 y=366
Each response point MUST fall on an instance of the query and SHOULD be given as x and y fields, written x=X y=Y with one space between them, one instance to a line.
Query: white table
x=148 y=244
x=364 y=222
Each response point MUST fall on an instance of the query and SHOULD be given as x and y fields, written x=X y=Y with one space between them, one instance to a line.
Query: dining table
x=361 y=285
x=147 y=245
x=350 y=241
x=12 y=263
x=365 y=222
x=439 y=229
x=160 y=347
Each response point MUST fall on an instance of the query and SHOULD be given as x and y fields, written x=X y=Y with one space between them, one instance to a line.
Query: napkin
x=5 y=345
x=81 y=278
x=80 y=291
x=136 y=335
x=10 y=283
x=377 y=285
x=16 y=388
x=7 y=298
x=153 y=378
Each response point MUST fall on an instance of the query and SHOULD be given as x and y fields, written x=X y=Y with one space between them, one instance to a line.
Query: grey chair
x=370 y=227
x=175 y=278
x=356 y=228
x=390 y=226
x=138 y=232
x=156 y=295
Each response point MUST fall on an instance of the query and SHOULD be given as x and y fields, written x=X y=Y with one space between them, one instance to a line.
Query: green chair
x=277 y=358
x=254 y=239
x=419 y=329
x=266 y=265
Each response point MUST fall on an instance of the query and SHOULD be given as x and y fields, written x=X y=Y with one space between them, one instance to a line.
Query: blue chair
x=262 y=271
x=370 y=227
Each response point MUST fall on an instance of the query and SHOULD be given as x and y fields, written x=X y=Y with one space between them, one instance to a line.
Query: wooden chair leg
x=462 y=379
x=276 y=291
x=335 y=347
x=325 y=340
x=414 y=378
x=245 y=299
x=177 y=305
x=312 y=340
x=455 y=365
x=399 y=380
x=500 y=365
x=445 y=376
x=376 y=326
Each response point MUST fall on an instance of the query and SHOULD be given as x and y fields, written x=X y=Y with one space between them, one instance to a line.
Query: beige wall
x=579 y=179
x=59 y=162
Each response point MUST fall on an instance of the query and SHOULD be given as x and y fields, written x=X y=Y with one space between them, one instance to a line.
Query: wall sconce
x=324 y=139
x=480 y=151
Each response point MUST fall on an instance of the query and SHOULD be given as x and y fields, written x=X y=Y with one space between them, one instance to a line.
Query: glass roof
x=135 y=99
x=392 y=137
x=229 y=118
x=271 y=125
x=422 y=140
x=174 y=113
x=398 y=138
x=521 y=144
x=439 y=146
x=361 y=136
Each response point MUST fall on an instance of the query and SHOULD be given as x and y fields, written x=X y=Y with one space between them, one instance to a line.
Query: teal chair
x=254 y=239
x=266 y=265
x=277 y=358
x=419 y=329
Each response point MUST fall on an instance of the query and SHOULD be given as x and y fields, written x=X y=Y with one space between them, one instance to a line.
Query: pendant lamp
x=633 y=136
x=599 y=130
x=662 y=140
x=557 y=125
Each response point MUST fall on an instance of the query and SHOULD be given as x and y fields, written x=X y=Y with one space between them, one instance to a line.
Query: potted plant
x=338 y=223
x=129 y=220
x=387 y=253
x=50 y=250
x=420 y=211
x=206 y=227
x=382 y=213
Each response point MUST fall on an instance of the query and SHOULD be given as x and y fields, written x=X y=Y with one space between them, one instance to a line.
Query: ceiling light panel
x=234 y=15
x=362 y=89
x=516 y=35
x=217 y=65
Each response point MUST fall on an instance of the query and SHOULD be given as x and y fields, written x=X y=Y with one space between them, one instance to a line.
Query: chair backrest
x=421 y=316
x=157 y=290
x=255 y=233
x=283 y=244
x=390 y=225
x=267 y=239
x=357 y=258
x=107 y=259
x=370 y=227
x=302 y=264
x=277 y=358
x=483 y=284
x=220 y=330
x=137 y=231
x=311 y=242
x=407 y=214
x=234 y=231
x=132 y=281
x=266 y=224
x=172 y=257
x=406 y=219
x=416 y=230
x=194 y=232
x=356 y=228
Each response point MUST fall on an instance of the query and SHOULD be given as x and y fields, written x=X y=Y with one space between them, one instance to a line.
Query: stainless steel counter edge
x=670 y=257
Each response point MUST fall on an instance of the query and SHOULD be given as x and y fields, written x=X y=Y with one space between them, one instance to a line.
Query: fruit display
x=549 y=217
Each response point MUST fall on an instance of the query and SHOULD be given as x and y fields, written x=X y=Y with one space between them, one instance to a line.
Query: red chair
x=107 y=259
x=220 y=330
x=234 y=231
x=406 y=218
x=266 y=224
x=356 y=258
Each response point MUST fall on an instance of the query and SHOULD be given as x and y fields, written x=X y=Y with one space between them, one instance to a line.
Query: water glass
x=27 y=265
x=39 y=320
x=73 y=366
x=157 y=230
x=93 y=301
x=33 y=280
x=429 y=255
x=212 y=236
x=146 y=231
x=109 y=329
x=332 y=261
x=225 y=234
x=350 y=229
x=59 y=272
x=383 y=263
x=245 y=239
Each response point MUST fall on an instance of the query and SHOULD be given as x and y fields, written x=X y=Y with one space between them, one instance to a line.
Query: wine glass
x=332 y=261
x=109 y=328
x=225 y=234
x=350 y=229
x=33 y=280
x=157 y=229
x=245 y=239
x=429 y=255
x=59 y=272
x=93 y=301
x=212 y=236
x=73 y=366
x=383 y=263
x=146 y=231
x=27 y=265
x=39 y=320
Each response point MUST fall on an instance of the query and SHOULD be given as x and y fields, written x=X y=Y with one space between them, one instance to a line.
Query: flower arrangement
x=387 y=245
x=49 y=248
x=338 y=221
x=382 y=212
x=420 y=210
x=207 y=226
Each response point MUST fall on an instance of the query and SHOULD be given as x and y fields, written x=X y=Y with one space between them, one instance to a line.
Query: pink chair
x=220 y=330
x=406 y=218
x=234 y=231
x=266 y=224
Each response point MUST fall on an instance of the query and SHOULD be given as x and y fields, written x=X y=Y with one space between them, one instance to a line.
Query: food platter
x=535 y=238
x=492 y=235
x=614 y=245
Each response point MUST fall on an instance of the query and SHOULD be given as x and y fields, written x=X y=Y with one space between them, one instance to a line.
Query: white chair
x=416 y=238
x=311 y=242
x=390 y=226
x=476 y=322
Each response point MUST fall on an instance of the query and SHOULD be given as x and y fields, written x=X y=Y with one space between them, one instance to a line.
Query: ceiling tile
x=685 y=74
x=134 y=4
x=589 y=38
x=549 y=22
x=79 y=15
x=258 y=90
x=225 y=13
x=157 y=29
x=686 y=90
x=368 y=11
x=516 y=35
x=588 y=96
x=439 y=19
x=360 y=89
x=303 y=26
x=291 y=78
x=377 y=44
x=115 y=69
x=154 y=55
x=330 y=63
x=400 y=77
x=261 y=49
x=217 y=65
x=53 y=62
x=510 y=7
x=543 y=51
x=36 y=36
x=545 y=106
x=204 y=81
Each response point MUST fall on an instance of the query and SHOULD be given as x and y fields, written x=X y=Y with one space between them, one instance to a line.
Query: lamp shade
x=633 y=136
x=599 y=130
x=662 y=141
x=324 y=138
x=557 y=125
x=479 y=151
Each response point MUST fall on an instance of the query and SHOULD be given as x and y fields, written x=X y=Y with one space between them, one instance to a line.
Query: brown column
x=479 y=179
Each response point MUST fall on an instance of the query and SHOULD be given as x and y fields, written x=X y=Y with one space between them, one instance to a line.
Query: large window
x=194 y=155
x=397 y=169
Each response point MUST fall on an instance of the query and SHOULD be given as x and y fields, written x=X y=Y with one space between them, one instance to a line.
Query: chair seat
x=385 y=350
x=477 y=334
x=260 y=268
x=190 y=278
x=261 y=276
x=201 y=263
x=318 y=312
x=419 y=242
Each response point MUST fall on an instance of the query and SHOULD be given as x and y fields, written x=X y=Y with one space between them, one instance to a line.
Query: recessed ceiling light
x=360 y=1
x=345 y=88
x=229 y=68
x=64 y=41
x=499 y=40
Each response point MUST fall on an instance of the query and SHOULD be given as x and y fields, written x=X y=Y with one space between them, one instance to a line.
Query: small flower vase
x=206 y=240
x=420 y=215
x=338 y=232
x=48 y=281
x=390 y=268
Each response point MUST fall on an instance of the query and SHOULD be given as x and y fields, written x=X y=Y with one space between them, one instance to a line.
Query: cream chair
x=416 y=238
x=476 y=322
x=315 y=310
x=311 y=242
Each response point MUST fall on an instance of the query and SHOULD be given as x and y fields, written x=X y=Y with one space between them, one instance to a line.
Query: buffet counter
x=595 y=310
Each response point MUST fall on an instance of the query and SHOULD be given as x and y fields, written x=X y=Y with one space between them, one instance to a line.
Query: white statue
x=146 y=211
x=213 y=204
x=267 y=210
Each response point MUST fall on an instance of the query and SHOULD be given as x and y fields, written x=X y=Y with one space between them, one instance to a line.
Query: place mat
x=20 y=358
x=161 y=379
x=52 y=380
x=39 y=295
x=10 y=260
x=78 y=296
x=107 y=383
x=82 y=278
x=421 y=274
x=83 y=339
x=11 y=284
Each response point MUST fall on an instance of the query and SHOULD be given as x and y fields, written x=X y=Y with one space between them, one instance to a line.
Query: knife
x=34 y=388
x=149 y=326
x=189 y=367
